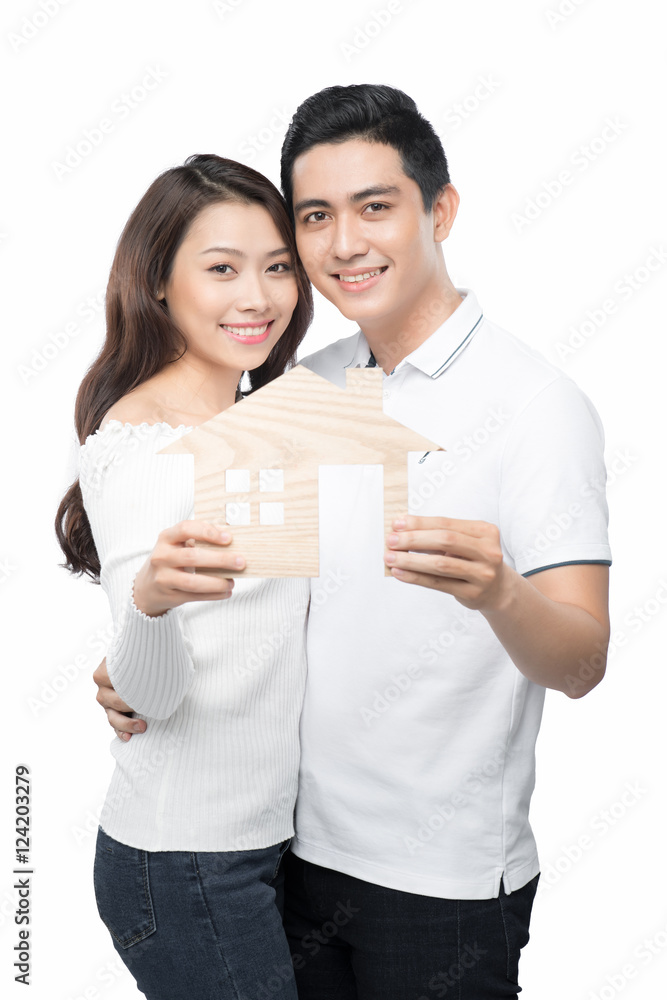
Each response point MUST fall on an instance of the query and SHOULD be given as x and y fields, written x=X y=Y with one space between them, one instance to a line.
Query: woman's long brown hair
x=140 y=336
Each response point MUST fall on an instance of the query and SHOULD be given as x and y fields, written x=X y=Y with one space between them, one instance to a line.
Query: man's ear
x=445 y=207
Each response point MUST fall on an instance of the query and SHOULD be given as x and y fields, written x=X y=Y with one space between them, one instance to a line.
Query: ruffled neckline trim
x=120 y=425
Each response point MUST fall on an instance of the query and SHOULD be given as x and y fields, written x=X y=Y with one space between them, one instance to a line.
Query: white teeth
x=359 y=277
x=246 y=331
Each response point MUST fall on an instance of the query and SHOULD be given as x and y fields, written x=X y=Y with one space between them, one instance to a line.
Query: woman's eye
x=283 y=267
x=222 y=269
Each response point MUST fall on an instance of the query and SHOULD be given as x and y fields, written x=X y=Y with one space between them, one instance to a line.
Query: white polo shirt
x=418 y=732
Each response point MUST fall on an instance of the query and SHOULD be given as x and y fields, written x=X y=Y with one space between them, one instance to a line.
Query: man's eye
x=316 y=217
x=376 y=206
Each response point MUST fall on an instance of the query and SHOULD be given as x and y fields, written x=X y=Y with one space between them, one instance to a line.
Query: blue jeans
x=202 y=925
x=354 y=940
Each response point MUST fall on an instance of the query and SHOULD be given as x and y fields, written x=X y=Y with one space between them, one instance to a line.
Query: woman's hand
x=119 y=715
x=167 y=579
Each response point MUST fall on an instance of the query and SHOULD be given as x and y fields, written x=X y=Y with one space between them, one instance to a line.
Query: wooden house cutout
x=257 y=463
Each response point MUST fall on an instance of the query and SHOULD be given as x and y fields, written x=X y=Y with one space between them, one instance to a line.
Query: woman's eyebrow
x=239 y=253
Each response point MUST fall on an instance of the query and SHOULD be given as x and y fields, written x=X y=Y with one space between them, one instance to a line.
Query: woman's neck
x=189 y=392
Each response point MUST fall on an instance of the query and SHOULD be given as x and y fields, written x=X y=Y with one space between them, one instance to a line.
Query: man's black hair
x=373 y=112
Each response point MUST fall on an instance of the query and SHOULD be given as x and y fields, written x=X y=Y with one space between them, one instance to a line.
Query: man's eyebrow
x=239 y=253
x=311 y=203
x=372 y=192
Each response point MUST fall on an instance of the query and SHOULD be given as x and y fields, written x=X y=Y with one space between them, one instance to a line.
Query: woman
x=205 y=284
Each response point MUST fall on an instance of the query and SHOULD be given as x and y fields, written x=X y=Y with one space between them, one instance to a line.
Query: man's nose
x=348 y=239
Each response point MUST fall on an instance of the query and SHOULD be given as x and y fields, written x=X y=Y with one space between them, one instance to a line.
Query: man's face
x=362 y=233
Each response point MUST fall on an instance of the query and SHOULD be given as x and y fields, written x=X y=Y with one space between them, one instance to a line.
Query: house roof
x=302 y=418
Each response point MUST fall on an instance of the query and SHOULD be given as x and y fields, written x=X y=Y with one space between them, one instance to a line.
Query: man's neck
x=392 y=341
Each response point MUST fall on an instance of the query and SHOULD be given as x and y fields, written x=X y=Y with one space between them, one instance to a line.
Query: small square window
x=271 y=481
x=237 y=513
x=271 y=513
x=237 y=480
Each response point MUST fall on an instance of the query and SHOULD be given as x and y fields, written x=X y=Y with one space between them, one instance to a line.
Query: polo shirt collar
x=444 y=345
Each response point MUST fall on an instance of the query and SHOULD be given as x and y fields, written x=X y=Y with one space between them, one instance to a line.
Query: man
x=414 y=868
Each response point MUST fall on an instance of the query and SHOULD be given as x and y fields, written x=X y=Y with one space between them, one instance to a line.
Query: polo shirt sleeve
x=553 y=510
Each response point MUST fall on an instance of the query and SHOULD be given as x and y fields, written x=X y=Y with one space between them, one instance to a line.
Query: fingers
x=432 y=565
x=201 y=531
x=108 y=698
x=202 y=557
x=124 y=726
x=436 y=541
x=462 y=590
x=461 y=558
x=176 y=548
x=191 y=586
x=411 y=522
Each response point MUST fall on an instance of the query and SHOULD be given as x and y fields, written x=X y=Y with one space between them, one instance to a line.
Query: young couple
x=413 y=869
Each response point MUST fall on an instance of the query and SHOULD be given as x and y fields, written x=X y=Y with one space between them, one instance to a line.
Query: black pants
x=353 y=940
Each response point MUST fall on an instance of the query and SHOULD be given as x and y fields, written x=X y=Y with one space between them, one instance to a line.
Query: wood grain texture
x=297 y=423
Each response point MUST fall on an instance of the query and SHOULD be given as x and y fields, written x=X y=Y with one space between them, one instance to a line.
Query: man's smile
x=358 y=279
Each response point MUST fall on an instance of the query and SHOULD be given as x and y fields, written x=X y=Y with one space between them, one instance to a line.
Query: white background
x=237 y=72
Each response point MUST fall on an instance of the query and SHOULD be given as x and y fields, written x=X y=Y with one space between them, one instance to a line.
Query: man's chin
x=357 y=311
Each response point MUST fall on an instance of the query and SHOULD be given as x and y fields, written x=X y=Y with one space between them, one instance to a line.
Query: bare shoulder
x=137 y=407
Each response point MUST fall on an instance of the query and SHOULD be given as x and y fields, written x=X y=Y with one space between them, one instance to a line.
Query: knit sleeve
x=131 y=494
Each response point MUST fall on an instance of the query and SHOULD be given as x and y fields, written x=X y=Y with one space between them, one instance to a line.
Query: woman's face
x=232 y=287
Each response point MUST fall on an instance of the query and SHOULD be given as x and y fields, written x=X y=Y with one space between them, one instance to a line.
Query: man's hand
x=554 y=624
x=461 y=558
x=118 y=713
